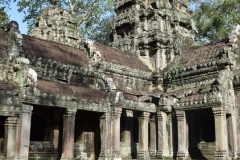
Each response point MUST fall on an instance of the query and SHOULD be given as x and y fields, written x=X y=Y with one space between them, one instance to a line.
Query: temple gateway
x=154 y=94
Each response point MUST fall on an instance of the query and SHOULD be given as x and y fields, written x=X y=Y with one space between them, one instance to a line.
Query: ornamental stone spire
x=58 y=25
x=155 y=30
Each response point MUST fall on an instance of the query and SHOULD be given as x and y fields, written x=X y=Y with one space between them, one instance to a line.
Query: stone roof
x=51 y=50
x=70 y=55
x=8 y=86
x=74 y=92
x=203 y=56
x=116 y=56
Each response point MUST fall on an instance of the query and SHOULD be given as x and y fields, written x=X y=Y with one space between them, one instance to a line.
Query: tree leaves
x=88 y=12
x=3 y=16
x=215 y=18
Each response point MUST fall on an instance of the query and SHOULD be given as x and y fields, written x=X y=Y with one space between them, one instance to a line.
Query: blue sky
x=16 y=16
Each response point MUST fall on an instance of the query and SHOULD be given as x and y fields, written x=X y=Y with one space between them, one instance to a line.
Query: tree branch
x=70 y=5
x=89 y=13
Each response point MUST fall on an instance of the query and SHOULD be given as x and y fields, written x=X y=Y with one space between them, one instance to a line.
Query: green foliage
x=172 y=75
x=215 y=18
x=88 y=12
x=3 y=16
x=103 y=31
x=175 y=72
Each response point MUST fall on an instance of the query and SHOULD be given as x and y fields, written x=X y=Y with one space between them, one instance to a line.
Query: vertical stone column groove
x=24 y=131
x=182 y=152
x=68 y=134
x=143 y=152
x=10 y=138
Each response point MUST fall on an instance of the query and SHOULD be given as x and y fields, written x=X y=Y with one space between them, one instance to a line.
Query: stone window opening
x=37 y=24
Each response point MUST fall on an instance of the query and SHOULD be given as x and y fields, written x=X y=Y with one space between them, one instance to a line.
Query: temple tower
x=58 y=25
x=155 y=30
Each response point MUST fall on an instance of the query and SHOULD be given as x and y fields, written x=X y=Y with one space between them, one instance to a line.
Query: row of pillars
x=17 y=135
x=164 y=144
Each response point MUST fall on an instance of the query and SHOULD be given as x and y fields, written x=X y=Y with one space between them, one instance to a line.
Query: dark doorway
x=87 y=134
x=2 y=122
x=201 y=131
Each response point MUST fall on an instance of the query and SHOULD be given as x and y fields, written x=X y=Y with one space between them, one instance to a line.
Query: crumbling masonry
x=152 y=95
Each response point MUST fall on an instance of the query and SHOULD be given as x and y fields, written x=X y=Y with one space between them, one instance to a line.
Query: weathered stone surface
x=49 y=82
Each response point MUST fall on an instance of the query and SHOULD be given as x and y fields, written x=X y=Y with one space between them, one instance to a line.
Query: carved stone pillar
x=10 y=138
x=143 y=152
x=68 y=134
x=162 y=135
x=170 y=134
x=220 y=133
x=153 y=136
x=116 y=113
x=105 y=133
x=24 y=132
x=234 y=135
x=182 y=152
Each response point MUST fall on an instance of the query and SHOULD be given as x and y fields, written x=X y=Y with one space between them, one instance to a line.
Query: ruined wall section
x=58 y=25
x=156 y=31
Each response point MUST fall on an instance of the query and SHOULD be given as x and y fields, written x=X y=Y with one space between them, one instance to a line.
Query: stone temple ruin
x=151 y=95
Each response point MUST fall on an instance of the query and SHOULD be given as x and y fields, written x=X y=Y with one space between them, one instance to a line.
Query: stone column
x=143 y=152
x=105 y=134
x=162 y=135
x=68 y=134
x=116 y=113
x=153 y=136
x=10 y=138
x=182 y=152
x=170 y=134
x=234 y=135
x=24 y=131
x=220 y=133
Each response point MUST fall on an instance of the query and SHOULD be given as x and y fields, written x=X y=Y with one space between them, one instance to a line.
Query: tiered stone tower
x=155 y=30
x=58 y=25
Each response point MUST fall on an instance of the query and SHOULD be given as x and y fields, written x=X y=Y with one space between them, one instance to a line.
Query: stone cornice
x=198 y=106
x=66 y=102
x=140 y=106
x=7 y=110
